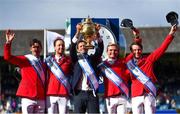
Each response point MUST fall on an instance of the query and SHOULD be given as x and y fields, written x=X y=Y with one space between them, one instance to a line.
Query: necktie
x=136 y=61
x=85 y=55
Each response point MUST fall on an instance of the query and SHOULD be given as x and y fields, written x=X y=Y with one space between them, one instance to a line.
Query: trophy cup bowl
x=89 y=32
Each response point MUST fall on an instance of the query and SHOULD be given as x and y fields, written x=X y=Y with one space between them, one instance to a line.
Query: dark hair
x=58 y=38
x=33 y=41
x=79 y=41
x=135 y=43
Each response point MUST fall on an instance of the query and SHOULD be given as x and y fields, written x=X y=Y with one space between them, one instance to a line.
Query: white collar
x=58 y=58
x=111 y=61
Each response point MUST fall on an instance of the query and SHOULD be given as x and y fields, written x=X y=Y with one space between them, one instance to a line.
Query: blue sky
x=51 y=14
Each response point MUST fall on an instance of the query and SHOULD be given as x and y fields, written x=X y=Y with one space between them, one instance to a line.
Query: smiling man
x=58 y=86
x=84 y=79
x=144 y=81
x=115 y=80
x=32 y=86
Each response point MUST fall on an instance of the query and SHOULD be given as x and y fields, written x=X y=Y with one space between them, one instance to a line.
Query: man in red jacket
x=32 y=86
x=115 y=81
x=144 y=81
x=58 y=86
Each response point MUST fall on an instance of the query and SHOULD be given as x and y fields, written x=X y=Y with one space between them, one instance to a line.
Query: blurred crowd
x=10 y=104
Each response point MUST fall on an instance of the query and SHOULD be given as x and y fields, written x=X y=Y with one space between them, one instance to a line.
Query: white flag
x=68 y=26
x=51 y=36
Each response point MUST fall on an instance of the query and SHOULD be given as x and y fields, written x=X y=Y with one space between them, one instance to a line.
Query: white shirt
x=83 y=84
x=111 y=61
x=58 y=58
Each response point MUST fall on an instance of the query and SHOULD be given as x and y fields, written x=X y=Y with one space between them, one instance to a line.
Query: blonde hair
x=112 y=44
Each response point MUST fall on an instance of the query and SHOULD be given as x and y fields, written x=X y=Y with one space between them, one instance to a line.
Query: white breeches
x=56 y=104
x=145 y=103
x=116 y=105
x=32 y=106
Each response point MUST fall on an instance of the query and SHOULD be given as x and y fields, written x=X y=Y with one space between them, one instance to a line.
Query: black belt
x=85 y=91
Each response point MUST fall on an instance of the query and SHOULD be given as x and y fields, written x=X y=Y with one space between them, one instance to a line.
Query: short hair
x=79 y=41
x=58 y=38
x=33 y=41
x=135 y=43
x=113 y=44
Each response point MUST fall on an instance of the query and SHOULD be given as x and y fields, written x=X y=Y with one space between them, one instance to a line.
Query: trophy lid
x=172 y=17
x=88 y=20
x=88 y=27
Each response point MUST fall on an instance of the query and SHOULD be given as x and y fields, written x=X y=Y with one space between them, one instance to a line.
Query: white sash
x=88 y=71
x=58 y=72
x=139 y=74
x=111 y=75
x=37 y=67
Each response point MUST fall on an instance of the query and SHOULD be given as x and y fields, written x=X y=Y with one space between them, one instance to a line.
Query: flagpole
x=45 y=48
x=45 y=38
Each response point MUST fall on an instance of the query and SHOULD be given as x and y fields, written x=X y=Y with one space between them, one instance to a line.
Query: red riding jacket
x=54 y=86
x=30 y=86
x=146 y=65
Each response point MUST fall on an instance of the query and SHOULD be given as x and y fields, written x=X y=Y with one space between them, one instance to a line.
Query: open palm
x=9 y=35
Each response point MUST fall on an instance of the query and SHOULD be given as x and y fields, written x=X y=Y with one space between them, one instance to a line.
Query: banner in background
x=51 y=36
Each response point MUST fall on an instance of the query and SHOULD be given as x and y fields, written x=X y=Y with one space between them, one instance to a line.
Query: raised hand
x=173 y=29
x=97 y=27
x=78 y=28
x=97 y=35
x=9 y=36
x=135 y=32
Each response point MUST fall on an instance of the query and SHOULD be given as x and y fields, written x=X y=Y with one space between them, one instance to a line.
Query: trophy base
x=89 y=46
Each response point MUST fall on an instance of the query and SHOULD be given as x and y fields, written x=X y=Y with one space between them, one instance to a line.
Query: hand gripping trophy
x=89 y=31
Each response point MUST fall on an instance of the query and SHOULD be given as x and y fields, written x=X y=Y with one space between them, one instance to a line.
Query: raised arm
x=73 y=51
x=100 y=46
x=17 y=60
x=136 y=39
x=161 y=50
x=7 y=47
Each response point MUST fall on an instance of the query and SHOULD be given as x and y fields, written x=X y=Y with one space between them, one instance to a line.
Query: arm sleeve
x=73 y=52
x=16 y=60
x=99 y=49
x=156 y=54
x=129 y=57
